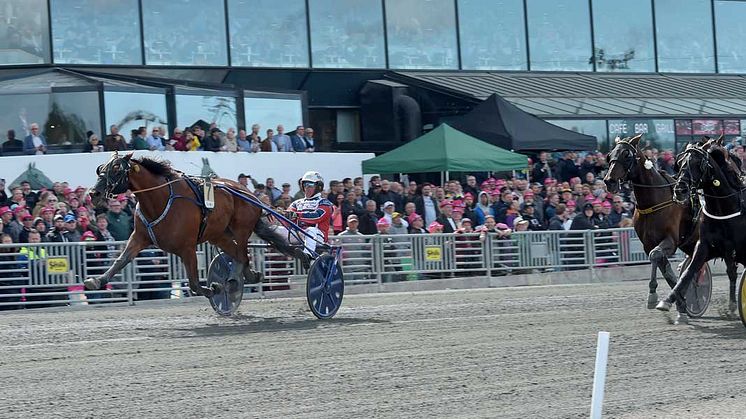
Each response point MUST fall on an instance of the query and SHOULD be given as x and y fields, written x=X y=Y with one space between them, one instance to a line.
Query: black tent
x=501 y=123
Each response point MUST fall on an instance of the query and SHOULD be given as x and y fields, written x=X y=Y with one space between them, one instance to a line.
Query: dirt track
x=521 y=352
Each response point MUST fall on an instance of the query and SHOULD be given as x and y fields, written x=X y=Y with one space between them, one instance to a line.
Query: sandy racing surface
x=519 y=352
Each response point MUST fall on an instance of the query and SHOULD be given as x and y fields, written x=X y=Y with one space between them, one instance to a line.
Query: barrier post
x=599 y=375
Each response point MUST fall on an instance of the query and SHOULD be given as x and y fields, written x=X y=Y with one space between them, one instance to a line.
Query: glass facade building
x=330 y=48
x=692 y=36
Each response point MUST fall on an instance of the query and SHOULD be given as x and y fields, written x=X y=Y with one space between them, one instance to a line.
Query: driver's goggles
x=308 y=184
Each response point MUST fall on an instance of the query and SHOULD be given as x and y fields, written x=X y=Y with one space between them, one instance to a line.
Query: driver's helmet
x=313 y=177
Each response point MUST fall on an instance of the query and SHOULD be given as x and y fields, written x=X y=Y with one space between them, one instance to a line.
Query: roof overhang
x=594 y=95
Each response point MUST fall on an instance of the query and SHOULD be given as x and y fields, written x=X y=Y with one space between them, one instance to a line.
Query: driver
x=312 y=212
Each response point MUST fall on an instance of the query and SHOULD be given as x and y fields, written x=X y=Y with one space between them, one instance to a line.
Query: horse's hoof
x=733 y=308
x=215 y=288
x=652 y=300
x=663 y=305
x=92 y=284
x=681 y=318
x=254 y=277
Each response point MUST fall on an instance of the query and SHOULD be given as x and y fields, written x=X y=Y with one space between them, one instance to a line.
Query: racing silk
x=314 y=211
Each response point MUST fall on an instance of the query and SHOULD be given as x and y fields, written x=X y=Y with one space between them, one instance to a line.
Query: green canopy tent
x=445 y=149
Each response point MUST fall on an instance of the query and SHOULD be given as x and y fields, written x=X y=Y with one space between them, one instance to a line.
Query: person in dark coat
x=557 y=222
x=12 y=145
x=585 y=220
x=369 y=219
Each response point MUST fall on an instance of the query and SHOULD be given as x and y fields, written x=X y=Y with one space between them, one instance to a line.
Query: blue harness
x=199 y=202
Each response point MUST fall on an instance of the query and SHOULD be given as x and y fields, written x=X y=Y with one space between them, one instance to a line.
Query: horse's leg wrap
x=659 y=259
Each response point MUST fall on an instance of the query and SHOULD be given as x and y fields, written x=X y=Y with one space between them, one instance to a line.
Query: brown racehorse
x=172 y=204
x=662 y=224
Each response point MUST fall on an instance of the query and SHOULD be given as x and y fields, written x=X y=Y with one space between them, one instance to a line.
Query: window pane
x=684 y=33
x=24 y=32
x=627 y=46
x=64 y=118
x=96 y=32
x=559 y=35
x=347 y=34
x=129 y=111
x=595 y=127
x=269 y=113
x=421 y=34
x=658 y=133
x=70 y=116
x=731 y=36
x=218 y=109
x=184 y=32
x=492 y=34
x=268 y=33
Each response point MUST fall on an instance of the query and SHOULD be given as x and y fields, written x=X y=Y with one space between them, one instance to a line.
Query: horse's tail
x=268 y=232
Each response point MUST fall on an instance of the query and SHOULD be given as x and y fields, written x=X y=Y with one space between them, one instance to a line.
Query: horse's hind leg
x=237 y=249
x=189 y=259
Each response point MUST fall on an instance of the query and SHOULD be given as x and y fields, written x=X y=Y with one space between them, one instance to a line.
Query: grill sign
x=433 y=254
x=58 y=265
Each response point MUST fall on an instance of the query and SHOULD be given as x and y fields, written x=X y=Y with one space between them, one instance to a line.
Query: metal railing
x=51 y=274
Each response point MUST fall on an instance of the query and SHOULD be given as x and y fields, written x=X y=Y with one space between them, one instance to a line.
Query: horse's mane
x=157 y=167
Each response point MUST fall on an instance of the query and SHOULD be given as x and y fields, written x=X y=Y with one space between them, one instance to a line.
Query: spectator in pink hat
x=383 y=226
x=416 y=224
x=435 y=227
x=606 y=208
x=469 y=208
x=446 y=217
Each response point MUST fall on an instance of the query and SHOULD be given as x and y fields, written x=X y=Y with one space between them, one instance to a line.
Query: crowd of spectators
x=563 y=194
x=187 y=139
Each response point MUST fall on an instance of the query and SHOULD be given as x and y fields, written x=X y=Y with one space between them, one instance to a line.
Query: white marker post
x=599 y=375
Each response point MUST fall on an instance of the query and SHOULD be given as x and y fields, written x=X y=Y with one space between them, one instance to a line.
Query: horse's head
x=621 y=160
x=727 y=166
x=113 y=178
x=695 y=167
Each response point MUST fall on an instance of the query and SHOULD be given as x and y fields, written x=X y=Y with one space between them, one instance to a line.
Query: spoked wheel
x=742 y=299
x=227 y=298
x=700 y=291
x=325 y=287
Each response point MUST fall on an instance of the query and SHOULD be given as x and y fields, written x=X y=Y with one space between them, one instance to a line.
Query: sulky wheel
x=228 y=295
x=325 y=286
x=699 y=293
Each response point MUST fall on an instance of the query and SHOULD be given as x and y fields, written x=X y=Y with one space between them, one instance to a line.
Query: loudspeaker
x=388 y=113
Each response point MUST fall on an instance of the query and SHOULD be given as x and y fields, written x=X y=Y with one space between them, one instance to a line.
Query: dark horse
x=709 y=167
x=662 y=224
x=172 y=205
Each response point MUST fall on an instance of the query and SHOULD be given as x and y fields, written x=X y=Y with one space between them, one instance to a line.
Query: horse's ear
x=128 y=156
x=617 y=140
x=721 y=140
x=635 y=140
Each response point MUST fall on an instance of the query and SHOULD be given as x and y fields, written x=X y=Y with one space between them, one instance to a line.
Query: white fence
x=51 y=274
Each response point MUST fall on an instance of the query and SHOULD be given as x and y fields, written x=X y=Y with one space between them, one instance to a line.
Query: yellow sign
x=433 y=254
x=58 y=265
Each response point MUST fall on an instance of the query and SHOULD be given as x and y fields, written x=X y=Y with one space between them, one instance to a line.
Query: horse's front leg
x=732 y=270
x=659 y=261
x=699 y=258
x=134 y=245
x=189 y=259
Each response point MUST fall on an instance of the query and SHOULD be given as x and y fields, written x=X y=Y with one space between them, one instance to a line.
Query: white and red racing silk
x=314 y=211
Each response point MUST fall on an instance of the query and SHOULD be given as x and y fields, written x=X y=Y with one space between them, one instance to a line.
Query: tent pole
x=448 y=175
